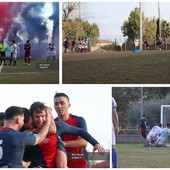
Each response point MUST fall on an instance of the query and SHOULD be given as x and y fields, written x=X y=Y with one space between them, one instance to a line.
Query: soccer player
x=163 y=135
x=53 y=52
x=115 y=129
x=13 y=142
x=143 y=126
x=27 y=48
x=152 y=135
x=14 y=53
x=49 y=51
x=2 y=119
x=72 y=143
x=2 y=52
x=44 y=154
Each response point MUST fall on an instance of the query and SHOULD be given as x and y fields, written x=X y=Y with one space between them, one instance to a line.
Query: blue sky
x=93 y=102
x=110 y=16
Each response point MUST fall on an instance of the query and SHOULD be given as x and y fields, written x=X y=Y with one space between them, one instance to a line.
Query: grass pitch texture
x=137 y=156
x=35 y=73
x=149 y=67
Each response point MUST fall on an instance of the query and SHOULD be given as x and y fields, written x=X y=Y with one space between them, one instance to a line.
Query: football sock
x=114 y=158
x=15 y=62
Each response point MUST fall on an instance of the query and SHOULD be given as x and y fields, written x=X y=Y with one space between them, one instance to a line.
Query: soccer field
x=39 y=72
x=137 y=156
x=149 y=67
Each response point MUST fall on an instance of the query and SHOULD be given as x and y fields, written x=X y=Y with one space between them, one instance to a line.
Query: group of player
x=32 y=138
x=11 y=49
x=156 y=136
x=81 y=45
x=146 y=44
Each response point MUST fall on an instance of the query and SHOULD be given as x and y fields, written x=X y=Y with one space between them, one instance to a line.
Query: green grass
x=137 y=156
x=32 y=74
x=151 y=67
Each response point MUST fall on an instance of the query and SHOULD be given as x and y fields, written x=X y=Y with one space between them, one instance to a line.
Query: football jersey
x=12 y=145
x=42 y=154
x=78 y=122
x=153 y=132
x=64 y=128
x=143 y=123
x=164 y=133
x=114 y=105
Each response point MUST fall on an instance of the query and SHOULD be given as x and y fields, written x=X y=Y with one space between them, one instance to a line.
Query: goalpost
x=165 y=115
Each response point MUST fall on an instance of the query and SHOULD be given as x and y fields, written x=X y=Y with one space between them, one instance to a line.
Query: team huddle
x=156 y=136
x=33 y=139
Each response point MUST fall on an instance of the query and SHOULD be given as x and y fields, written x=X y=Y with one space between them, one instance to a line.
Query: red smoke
x=8 y=11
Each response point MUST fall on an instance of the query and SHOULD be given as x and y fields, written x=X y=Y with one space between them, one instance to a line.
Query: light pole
x=159 y=17
x=141 y=33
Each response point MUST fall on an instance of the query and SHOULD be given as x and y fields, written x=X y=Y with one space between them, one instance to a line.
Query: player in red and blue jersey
x=143 y=126
x=44 y=154
x=13 y=142
x=73 y=143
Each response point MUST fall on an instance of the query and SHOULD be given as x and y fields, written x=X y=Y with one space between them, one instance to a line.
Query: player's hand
x=116 y=129
x=48 y=116
x=100 y=148
x=25 y=164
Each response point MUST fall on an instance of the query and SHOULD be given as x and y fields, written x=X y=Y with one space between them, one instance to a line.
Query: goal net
x=165 y=118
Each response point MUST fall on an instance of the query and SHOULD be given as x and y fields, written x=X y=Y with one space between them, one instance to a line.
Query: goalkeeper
x=153 y=135
x=163 y=135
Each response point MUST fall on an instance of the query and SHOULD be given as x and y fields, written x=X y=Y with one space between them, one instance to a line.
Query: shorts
x=15 y=55
x=113 y=136
x=60 y=145
x=3 y=53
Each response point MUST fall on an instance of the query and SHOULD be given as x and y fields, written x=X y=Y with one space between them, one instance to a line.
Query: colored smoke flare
x=9 y=10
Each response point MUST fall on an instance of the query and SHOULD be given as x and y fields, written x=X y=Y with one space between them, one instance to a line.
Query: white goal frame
x=162 y=109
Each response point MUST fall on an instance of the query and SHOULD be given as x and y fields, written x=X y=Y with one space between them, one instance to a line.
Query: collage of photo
x=84 y=84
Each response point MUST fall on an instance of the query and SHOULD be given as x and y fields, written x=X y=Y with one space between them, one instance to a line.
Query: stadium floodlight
x=165 y=114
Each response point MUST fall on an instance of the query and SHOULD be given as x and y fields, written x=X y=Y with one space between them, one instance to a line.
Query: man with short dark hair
x=143 y=126
x=27 y=48
x=72 y=143
x=13 y=142
x=2 y=119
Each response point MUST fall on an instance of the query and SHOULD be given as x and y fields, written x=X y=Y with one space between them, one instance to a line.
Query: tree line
x=129 y=104
x=73 y=25
x=131 y=27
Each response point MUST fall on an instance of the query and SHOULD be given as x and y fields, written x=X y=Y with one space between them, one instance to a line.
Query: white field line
x=30 y=73
x=1 y=66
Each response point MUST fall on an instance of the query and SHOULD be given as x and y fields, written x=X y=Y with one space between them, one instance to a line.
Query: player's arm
x=115 y=119
x=52 y=127
x=44 y=131
x=64 y=128
x=79 y=142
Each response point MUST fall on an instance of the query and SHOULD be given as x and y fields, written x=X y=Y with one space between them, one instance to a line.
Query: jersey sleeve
x=114 y=104
x=82 y=123
x=29 y=139
x=64 y=128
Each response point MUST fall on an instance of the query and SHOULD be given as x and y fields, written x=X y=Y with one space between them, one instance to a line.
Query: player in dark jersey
x=2 y=119
x=13 y=142
x=43 y=155
x=72 y=143
x=27 y=48
x=143 y=126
